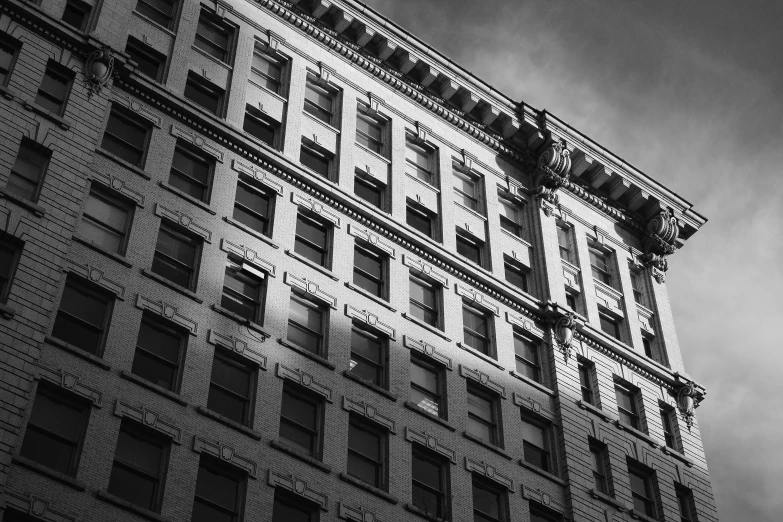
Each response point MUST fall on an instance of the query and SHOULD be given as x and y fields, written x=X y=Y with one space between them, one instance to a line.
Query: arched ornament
x=554 y=165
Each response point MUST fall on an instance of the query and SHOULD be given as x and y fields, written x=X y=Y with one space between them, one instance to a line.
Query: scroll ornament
x=685 y=402
x=659 y=241
x=564 y=333
x=99 y=69
x=552 y=171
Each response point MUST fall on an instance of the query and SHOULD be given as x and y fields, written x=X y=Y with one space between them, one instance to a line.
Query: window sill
x=368 y=295
x=377 y=155
x=641 y=516
x=52 y=474
x=492 y=447
x=7 y=93
x=677 y=455
x=160 y=390
x=241 y=320
x=212 y=58
x=483 y=357
x=323 y=270
x=7 y=312
x=422 y=182
x=254 y=233
x=474 y=213
x=534 y=384
x=371 y=489
x=419 y=235
x=68 y=347
x=541 y=472
x=301 y=456
x=374 y=387
x=423 y=514
x=91 y=244
x=253 y=434
x=36 y=209
x=56 y=118
x=119 y=161
x=153 y=22
x=607 y=499
x=637 y=433
x=190 y=199
x=310 y=355
x=424 y=325
x=174 y=286
x=517 y=239
x=594 y=410
x=269 y=92
x=443 y=422
x=124 y=504
x=322 y=123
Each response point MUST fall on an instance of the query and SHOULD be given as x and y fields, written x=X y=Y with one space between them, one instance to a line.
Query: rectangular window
x=599 y=264
x=668 y=422
x=430 y=482
x=419 y=162
x=220 y=491
x=140 y=458
x=586 y=381
x=424 y=301
x=510 y=217
x=306 y=324
x=10 y=251
x=526 y=353
x=243 y=291
x=26 y=178
x=367 y=453
x=127 y=136
x=76 y=14
x=564 y=242
x=159 y=11
x=490 y=502
x=470 y=249
x=536 y=443
x=483 y=415
x=312 y=240
x=319 y=102
x=106 y=221
x=259 y=126
x=368 y=356
x=56 y=429
x=627 y=400
x=266 y=70
x=369 y=189
x=315 y=160
x=253 y=207
x=149 y=62
x=540 y=514
x=214 y=36
x=301 y=420
x=516 y=275
x=476 y=328
x=55 y=88
x=637 y=284
x=232 y=388
x=426 y=387
x=176 y=256
x=369 y=271
x=204 y=93
x=647 y=345
x=599 y=456
x=290 y=508
x=571 y=300
x=420 y=218
x=369 y=131
x=685 y=503
x=610 y=326
x=84 y=315
x=466 y=190
x=160 y=350
x=9 y=50
x=643 y=490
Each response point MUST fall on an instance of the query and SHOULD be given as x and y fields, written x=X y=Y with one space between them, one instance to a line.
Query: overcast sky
x=689 y=93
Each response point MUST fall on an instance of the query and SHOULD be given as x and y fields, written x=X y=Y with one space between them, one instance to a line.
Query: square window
x=106 y=221
x=430 y=478
x=427 y=387
x=484 y=415
x=369 y=131
x=220 y=492
x=267 y=70
x=471 y=249
x=669 y=425
x=564 y=242
x=466 y=190
x=253 y=207
x=160 y=351
x=369 y=189
x=177 y=256
x=192 y=172
x=204 y=93
x=27 y=173
x=9 y=51
x=127 y=136
x=232 y=388
x=259 y=126
x=243 y=291
x=424 y=301
x=369 y=358
x=76 y=14
x=511 y=217
x=291 y=508
x=610 y=326
x=159 y=11
x=315 y=159
x=306 y=325
x=367 y=453
x=599 y=457
x=55 y=88
x=476 y=326
x=536 y=435
x=10 y=252
x=420 y=162
x=526 y=352
x=490 y=501
x=685 y=503
x=55 y=431
x=215 y=37
x=627 y=405
x=369 y=271
x=301 y=420
x=516 y=274
x=319 y=101
x=599 y=264
x=312 y=240
x=84 y=315
x=643 y=489
x=138 y=470
x=149 y=61
x=420 y=218
x=586 y=381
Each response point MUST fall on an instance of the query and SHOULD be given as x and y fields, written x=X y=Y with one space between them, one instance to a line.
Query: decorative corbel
x=99 y=69
x=659 y=242
x=552 y=171
x=686 y=403
x=564 y=334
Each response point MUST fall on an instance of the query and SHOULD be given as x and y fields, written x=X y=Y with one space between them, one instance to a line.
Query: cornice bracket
x=552 y=171
x=659 y=242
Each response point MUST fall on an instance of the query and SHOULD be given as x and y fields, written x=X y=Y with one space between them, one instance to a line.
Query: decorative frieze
x=149 y=418
x=483 y=379
x=427 y=349
x=372 y=238
x=121 y=98
x=237 y=346
x=537 y=495
x=184 y=221
x=316 y=207
x=196 y=139
x=304 y=379
x=250 y=257
x=355 y=514
x=482 y=468
x=119 y=186
x=428 y=441
x=369 y=412
x=533 y=405
x=225 y=453
x=299 y=487
x=257 y=174
x=370 y=320
x=425 y=269
x=476 y=298
x=525 y=324
x=95 y=275
x=167 y=311
x=71 y=383
x=311 y=288
x=35 y=507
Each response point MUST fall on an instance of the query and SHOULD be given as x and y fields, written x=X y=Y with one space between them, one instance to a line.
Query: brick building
x=263 y=260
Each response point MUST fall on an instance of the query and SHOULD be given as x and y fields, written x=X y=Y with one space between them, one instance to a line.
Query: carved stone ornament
x=564 y=333
x=552 y=171
x=686 y=403
x=659 y=242
x=98 y=69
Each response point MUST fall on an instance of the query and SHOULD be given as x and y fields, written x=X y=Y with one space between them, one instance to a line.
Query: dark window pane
x=260 y=129
x=486 y=500
x=160 y=11
x=368 y=191
x=419 y=221
x=131 y=486
x=75 y=14
x=208 y=97
x=314 y=161
x=289 y=510
x=469 y=250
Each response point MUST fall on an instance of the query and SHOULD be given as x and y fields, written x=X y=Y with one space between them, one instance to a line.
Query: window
x=668 y=422
x=288 y=508
x=610 y=326
x=368 y=356
x=685 y=503
x=315 y=159
x=483 y=415
x=149 y=61
x=599 y=456
x=540 y=514
x=253 y=207
x=232 y=388
x=214 y=36
x=470 y=249
x=106 y=221
x=204 y=93
x=243 y=289
x=510 y=217
x=301 y=420
x=55 y=87
x=176 y=256
x=10 y=251
x=126 y=136
x=475 y=326
x=159 y=11
x=367 y=453
x=516 y=275
x=76 y=14
x=430 y=482
x=84 y=315
x=369 y=189
x=419 y=162
x=312 y=240
x=427 y=386
x=160 y=350
x=306 y=325
x=527 y=357
x=220 y=492
x=586 y=381
x=642 y=490
x=647 y=345
x=137 y=474
x=627 y=401
x=564 y=242
x=369 y=271
x=571 y=300
x=319 y=101
x=599 y=264
x=536 y=443
x=420 y=218
x=258 y=126
x=266 y=70
x=424 y=301
x=26 y=178
x=466 y=190
x=9 y=50
x=56 y=430
x=490 y=503
x=637 y=284
x=369 y=131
